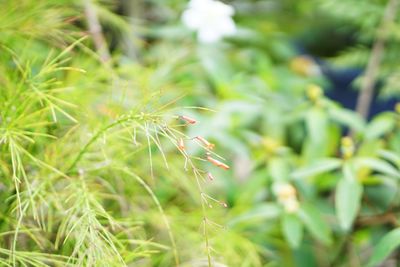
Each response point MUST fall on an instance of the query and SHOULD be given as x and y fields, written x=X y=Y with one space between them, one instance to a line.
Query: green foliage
x=385 y=246
x=348 y=197
x=99 y=168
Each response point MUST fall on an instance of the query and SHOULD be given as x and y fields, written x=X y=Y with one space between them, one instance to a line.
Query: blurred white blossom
x=286 y=195
x=210 y=18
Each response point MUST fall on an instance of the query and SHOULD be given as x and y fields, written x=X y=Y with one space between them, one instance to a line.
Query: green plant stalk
x=92 y=140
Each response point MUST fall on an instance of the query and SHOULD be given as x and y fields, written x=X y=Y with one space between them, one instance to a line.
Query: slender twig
x=371 y=73
x=389 y=217
x=92 y=140
x=96 y=31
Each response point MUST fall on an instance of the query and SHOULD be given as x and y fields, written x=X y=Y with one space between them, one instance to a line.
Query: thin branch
x=96 y=31
x=388 y=217
x=368 y=83
x=92 y=140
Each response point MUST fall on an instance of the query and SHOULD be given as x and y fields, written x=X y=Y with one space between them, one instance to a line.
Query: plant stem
x=91 y=141
x=371 y=73
x=96 y=30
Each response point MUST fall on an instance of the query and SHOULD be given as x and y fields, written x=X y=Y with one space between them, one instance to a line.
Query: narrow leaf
x=385 y=247
x=347 y=201
x=292 y=229
x=267 y=211
x=379 y=126
x=316 y=121
x=278 y=169
x=379 y=166
x=390 y=156
x=315 y=224
x=347 y=118
x=318 y=167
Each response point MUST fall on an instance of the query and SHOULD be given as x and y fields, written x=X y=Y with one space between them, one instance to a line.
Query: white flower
x=210 y=18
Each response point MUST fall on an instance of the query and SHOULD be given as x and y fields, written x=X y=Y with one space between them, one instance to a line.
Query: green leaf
x=316 y=121
x=379 y=126
x=265 y=211
x=318 y=167
x=379 y=166
x=278 y=169
x=315 y=224
x=348 y=118
x=390 y=156
x=385 y=246
x=347 y=198
x=292 y=229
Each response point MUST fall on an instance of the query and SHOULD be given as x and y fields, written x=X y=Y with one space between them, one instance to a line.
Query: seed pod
x=205 y=142
x=188 y=119
x=217 y=163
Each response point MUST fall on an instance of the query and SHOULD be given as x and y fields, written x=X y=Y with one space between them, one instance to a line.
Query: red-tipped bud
x=217 y=163
x=210 y=176
x=188 y=119
x=205 y=142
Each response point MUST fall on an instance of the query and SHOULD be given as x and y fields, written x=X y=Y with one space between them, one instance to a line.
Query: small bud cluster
x=314 y=92
x=286 y=195
x=347 y=147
